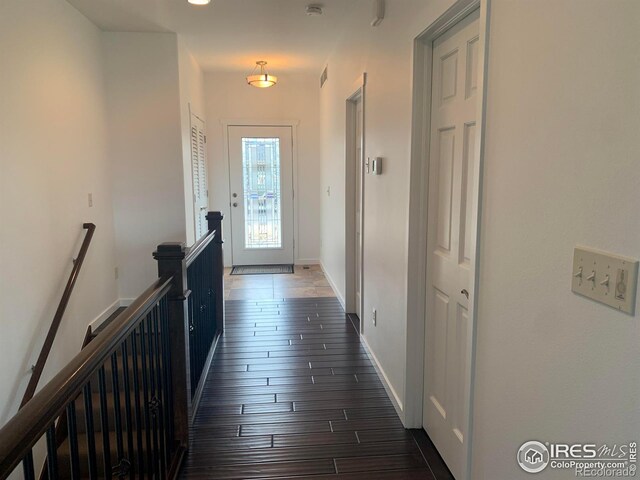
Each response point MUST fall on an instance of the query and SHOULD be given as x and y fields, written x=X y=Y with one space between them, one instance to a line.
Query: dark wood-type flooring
x=292 y=394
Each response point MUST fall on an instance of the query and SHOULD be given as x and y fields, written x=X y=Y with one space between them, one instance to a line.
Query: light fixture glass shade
x=199 y=2
x=263 y=79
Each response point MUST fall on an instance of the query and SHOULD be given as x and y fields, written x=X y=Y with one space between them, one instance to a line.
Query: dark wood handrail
x=198 y=247
x=23 y=430
x=57 y=318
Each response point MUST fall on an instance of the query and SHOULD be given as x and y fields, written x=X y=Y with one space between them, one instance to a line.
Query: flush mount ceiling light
x=199 y=2
x=263 y=79
x=314 y=10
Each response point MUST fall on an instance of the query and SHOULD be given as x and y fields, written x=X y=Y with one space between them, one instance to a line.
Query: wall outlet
x=90 y=199
x=375 y=317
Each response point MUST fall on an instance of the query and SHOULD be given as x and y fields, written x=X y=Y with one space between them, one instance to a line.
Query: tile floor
x=307 y=281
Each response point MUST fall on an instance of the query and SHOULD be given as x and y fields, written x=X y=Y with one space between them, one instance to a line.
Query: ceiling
x=230 y=35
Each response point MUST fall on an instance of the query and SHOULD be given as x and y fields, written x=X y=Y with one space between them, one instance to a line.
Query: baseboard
x=333 y=286
x=397 y=403
x=96 y=322
x=121 y=302
x=307 y=261
x=125 y=302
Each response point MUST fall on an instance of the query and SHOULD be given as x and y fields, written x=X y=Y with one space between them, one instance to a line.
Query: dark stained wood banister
x=57 y=318
x=166 y=304
x=194 y=251
x=24 y=429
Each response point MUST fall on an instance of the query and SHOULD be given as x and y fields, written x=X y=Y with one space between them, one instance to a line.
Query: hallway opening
x=292 y=393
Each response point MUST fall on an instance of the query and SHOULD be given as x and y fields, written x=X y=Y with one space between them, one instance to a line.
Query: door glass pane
x=262 y=203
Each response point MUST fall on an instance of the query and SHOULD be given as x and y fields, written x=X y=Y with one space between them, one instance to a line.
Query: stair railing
x=57 y=318
x=128 y=398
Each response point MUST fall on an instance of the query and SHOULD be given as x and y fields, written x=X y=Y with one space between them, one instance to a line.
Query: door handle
x=235 y=204
x=235 y=195
x=465 y=292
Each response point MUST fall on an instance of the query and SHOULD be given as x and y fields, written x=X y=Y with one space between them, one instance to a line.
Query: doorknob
x=235 y=195
x=235 y=204
x=465 y=293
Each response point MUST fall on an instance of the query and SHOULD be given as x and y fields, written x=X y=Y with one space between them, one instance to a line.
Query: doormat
x=261 y=269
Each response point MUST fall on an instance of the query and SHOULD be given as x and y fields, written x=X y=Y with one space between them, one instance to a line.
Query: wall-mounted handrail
x=57 y=318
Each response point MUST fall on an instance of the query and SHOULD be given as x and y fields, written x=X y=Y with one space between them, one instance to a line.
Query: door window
x=262 y=193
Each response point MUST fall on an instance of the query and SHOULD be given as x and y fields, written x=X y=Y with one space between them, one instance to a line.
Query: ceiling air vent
x=323 y=77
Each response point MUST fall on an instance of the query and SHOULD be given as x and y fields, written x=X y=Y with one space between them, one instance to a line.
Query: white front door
x=261 y=187
x=448 y=328
x=199 y=175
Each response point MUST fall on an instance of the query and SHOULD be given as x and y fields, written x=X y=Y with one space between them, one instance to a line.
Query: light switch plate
x=606 y=278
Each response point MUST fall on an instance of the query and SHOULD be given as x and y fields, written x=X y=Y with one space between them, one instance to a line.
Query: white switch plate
x=589 y=278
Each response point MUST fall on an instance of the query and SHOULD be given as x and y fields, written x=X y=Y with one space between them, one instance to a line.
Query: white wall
x=295 y=97
x=191 y=101
x=145 y=147
x=561 y=169
x=385 y=54
x=52 y=154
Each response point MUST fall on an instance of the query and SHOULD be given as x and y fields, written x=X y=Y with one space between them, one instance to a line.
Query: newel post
x=214 y=221
x=171 y=262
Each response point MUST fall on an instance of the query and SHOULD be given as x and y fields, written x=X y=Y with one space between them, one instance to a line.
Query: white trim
x=358 y=93
x=391 y=392
x=106 y=313
x=252 y=122
x=226 y=123
x=333 y=284
x=417 y=258
x=307 y=261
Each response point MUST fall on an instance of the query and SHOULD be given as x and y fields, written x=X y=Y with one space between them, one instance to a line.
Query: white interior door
x=199 y=175
x=448 y=328
x=359 y=177
x=261 y=187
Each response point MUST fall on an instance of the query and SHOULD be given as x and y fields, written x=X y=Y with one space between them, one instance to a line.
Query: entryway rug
x=261 y=269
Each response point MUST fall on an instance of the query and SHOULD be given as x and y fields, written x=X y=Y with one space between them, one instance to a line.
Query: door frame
x=358 y=93
x=418 y=208
x=248 y=122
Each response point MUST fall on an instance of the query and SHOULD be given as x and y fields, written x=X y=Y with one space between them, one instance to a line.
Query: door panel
x=261 y=184
x=451 y=166
x=467 y=192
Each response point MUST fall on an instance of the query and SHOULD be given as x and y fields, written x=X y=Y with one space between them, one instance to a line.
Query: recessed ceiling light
x=199 y=2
